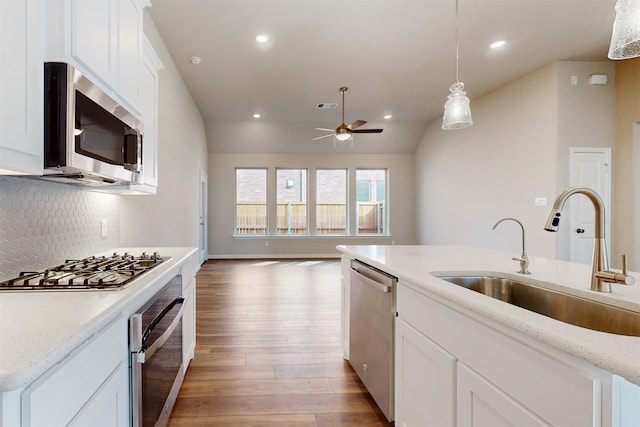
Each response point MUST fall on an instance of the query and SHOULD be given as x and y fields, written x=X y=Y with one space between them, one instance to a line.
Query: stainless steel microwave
x=88 y=137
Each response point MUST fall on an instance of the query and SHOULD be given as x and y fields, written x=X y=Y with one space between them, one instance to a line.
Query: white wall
x=222 y=199
x=170 y=218
x=517 y=149
x=469 y=179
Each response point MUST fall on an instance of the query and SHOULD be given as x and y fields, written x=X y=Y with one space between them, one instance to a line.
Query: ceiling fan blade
x=320 y=137
x=326 y=130
x=367 y=131
x=357 y=124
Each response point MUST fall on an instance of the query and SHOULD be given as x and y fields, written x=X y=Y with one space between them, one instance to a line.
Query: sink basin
x=566 y=308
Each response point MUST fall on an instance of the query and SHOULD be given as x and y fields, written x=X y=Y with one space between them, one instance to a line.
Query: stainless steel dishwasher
x=371 y=332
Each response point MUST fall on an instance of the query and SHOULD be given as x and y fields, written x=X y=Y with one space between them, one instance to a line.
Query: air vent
x=326 y=106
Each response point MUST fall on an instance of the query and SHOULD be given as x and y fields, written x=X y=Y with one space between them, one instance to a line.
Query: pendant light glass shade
x=625 y=40
x=457 y=112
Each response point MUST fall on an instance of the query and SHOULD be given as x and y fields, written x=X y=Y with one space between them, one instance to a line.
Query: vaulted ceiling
x=396 y=56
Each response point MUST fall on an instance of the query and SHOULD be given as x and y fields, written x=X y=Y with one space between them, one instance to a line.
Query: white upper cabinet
x=21 y=87
x=102 y=38
x=151 y=65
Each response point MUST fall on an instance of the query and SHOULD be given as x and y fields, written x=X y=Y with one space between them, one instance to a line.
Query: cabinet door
x=481 y=404
x=149 y=109
x=189 y=324
x=344 y=305
x=425 y=380
x=129 y=51
x=109 y=406
x=94 y=37
x=21 y=87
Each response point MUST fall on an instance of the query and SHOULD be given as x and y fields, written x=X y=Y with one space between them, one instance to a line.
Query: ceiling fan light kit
x=344 y=133
x=457 y=109
x=625 y=40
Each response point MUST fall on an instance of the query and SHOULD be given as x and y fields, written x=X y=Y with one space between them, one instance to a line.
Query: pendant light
x=457 y=112
x=625 y=40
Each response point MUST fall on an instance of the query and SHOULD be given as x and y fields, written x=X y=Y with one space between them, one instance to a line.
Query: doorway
x=589 y=167
x=202 y=213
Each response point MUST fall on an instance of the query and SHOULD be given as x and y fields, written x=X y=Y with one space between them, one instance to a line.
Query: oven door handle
x=147 y=351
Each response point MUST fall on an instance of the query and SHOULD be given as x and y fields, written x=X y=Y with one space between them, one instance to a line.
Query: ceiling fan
x=344 y=133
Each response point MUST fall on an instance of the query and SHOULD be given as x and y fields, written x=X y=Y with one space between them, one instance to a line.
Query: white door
x=589 y=167
x=203 y=217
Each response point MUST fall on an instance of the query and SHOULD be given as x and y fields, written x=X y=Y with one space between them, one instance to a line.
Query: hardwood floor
x=268 y=350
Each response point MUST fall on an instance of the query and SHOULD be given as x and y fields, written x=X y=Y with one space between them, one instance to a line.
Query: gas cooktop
x=95 y=272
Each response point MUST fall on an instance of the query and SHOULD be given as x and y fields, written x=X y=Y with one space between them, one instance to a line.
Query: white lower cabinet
x=425 y=380
x=189 y=324
x=90 y=388
x=481 y=404
x=454 y=368
x=345 y=297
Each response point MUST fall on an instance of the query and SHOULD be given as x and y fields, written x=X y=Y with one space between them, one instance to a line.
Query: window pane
x=331 y=201
x=291 y=189
x=251 y=201
x=372 y=215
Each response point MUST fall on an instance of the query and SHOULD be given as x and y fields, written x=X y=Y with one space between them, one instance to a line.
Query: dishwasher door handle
x=370 y=282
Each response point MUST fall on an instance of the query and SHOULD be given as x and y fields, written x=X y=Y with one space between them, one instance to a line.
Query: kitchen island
x=44 y=334
x=517 y=362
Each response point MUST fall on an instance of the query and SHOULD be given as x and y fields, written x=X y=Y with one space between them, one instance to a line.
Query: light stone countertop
x=40 y=328
x=415 y=265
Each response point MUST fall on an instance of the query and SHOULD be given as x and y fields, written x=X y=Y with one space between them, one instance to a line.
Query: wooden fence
x=251 y=218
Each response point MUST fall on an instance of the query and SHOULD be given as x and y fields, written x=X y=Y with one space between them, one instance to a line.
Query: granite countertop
x=40 y=328
x=415 y=266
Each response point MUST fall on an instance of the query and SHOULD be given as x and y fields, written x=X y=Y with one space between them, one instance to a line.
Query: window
x=370 y=201
x=291 y=194
x=251 y=201
x=331 y=201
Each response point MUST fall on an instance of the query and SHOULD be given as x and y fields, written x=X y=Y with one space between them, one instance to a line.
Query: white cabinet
x=21 y=87
x=189 y=271
x=425 y=380
x=103 y=39
x=151 y=66
x=481 y=404
x=502 y=377
x=89 y=388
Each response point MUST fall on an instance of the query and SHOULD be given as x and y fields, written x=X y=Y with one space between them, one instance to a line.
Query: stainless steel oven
x=155 y=339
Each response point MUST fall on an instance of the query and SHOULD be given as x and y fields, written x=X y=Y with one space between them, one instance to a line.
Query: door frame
x=203 y=221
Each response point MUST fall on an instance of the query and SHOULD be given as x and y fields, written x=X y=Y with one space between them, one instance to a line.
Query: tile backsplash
x=44 y=223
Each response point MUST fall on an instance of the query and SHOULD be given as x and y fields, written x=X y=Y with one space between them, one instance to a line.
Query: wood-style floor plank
x=268 y=350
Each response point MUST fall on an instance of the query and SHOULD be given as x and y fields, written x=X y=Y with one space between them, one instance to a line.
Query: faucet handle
x=624 y=264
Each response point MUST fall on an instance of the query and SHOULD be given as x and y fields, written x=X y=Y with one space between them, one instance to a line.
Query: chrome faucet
x=601 y=276
x=524 y=260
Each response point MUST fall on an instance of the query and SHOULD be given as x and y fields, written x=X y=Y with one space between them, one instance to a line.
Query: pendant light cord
x=457 y=54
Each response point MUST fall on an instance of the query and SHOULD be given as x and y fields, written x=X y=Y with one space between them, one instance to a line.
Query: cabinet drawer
x=56 y=397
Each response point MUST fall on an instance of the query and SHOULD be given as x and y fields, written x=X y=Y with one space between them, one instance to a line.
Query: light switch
x=104 y=231
x=540 y=201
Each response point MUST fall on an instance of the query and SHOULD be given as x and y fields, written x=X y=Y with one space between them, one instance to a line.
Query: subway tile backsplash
x=44 y=223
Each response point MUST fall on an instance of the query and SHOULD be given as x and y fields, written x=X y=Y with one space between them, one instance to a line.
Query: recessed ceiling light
x=497 y=44
x=256 y=116
x=387 y=116
x=262 y=38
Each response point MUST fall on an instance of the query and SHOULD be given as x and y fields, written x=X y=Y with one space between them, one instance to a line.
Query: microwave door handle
x=148 y=351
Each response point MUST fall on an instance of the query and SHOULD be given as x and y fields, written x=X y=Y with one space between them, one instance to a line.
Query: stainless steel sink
x=566 y=308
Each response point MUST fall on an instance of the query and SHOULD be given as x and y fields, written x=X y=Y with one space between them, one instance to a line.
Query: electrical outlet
x=104 y=230
x=266 y=243
x=540 y=201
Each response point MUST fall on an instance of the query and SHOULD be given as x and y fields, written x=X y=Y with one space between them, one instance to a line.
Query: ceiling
x=396 y=57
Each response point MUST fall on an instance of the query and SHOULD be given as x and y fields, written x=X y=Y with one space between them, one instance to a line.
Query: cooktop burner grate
x=95 y=272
